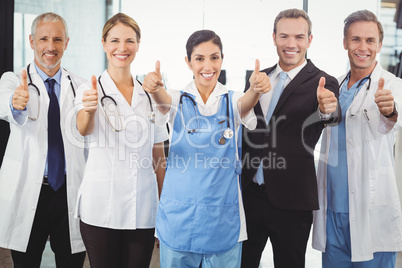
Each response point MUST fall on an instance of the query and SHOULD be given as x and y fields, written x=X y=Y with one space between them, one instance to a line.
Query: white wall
x=245 y=28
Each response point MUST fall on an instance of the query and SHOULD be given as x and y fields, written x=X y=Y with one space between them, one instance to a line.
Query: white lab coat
x=21 y=173
x=119 y=189
x=374 y=207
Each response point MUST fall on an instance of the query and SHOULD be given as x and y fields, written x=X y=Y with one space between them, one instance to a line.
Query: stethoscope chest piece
x=228 y=133
x=151 y=117
x=222 y=141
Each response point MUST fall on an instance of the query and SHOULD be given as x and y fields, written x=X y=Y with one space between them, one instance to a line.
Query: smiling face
x=49 y=44
x=291 y=40
x=120 y=46
x=362 y=43
x=206 y=63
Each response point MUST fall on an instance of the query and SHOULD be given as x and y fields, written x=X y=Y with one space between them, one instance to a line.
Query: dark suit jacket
x=295 y=126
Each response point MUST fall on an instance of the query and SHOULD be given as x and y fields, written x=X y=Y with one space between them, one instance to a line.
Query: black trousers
x=118 y=248
x=288 y=231
x=51 y=221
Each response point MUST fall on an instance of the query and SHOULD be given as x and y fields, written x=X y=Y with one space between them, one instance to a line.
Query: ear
x=379 y=47
x=104 y=45
x=65 y=45
x=345 y=44
x=310 y=39
x=188 y=63
x=274 y=38
x=31 y=42
x=138 y=46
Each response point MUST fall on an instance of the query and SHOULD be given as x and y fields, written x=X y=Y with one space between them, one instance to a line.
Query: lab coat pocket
x=372 y=123
x=10 y=178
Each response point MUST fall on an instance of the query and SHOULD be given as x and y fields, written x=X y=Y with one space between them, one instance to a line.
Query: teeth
x=291 y=52
x=121 y=57
x=207 y=75
x=362 y=56
x=49 y=55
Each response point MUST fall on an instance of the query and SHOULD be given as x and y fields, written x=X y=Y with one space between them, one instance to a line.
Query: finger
x=94 y=83
x=381 y=84
x=158 y=69
x=24 y=82
x=257 y=66
x=321 y=84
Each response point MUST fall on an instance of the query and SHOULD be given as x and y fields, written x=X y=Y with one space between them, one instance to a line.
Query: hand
x=21 y=95
x=153 y=81
x=259 y=81
x=384 y=99
x=90 y=97
x=326 y=98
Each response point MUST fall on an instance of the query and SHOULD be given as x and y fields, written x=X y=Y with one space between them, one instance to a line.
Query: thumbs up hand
x=90 y=97
x=384 y=99
x=21 y=95
x=326 y=98
x=259 y=81
x=153 y=80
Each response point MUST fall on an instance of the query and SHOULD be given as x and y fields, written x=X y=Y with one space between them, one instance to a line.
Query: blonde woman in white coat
x=118 y=198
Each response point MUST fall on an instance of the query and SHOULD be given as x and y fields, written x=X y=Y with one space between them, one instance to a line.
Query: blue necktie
x=55 y=151
x=259 y=176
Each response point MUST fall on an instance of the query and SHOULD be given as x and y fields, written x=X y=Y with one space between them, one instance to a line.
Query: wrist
x=394 y=112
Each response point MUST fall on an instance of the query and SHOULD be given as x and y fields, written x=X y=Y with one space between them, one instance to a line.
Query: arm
x=159 y=164
x=153 y=85
x=259 y=84
x=86 y=116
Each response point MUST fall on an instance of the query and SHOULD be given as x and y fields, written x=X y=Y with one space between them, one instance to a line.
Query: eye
x=215 y=57
x=114 y=41
x=58 y=40
x=199 y=58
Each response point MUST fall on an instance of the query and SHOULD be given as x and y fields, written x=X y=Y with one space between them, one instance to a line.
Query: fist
x=326 y=98
x=90 y=97
x=153 y=80
x=384 y=99
x=21 y=95
x=259 y=81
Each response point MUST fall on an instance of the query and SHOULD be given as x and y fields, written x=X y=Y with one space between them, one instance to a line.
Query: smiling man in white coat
x=44 y=160
x=359 y=223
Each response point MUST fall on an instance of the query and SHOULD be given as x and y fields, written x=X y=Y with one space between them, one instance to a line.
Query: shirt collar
x=44 y=76
x=218 y=91
x=292 y=73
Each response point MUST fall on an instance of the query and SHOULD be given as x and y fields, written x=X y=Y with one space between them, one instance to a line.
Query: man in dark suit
x=278 y=178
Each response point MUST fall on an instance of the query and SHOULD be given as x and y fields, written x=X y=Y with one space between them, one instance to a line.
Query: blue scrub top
x=337 y=169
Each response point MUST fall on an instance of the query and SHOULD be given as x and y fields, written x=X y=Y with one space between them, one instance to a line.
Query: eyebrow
x=200 y=55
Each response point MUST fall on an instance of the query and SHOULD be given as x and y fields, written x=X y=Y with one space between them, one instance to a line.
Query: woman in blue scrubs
x=200 y=218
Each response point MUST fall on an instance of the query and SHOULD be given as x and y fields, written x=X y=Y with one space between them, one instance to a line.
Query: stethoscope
x=226 y=135
x=38 y=92
x=151 y=115
x=362 y=82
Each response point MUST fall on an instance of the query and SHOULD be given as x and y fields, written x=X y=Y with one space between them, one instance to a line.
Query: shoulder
x=76 y=79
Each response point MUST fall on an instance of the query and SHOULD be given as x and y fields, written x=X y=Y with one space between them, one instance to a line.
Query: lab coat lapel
x=66 y=92
x=138 y=97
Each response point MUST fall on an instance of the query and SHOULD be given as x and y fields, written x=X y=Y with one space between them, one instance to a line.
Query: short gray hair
x=48 y=17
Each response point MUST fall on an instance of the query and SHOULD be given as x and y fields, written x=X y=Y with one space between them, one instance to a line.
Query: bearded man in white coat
x=44 y=160
x=359 y=223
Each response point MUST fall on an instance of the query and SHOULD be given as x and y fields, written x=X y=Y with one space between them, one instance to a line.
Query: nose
x=122 y=46
x=207 y=64
x=51 y=45
x=291 y=42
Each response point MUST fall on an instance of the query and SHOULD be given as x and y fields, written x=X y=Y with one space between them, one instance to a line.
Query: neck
x=48 y=72
x=120 y=76
x=357 y=74
x=205 y=92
